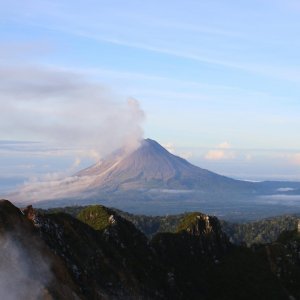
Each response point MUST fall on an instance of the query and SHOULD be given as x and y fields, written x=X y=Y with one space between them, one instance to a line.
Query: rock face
x=284 y=259
x=28 y=268
x=100 y=255
x=107 y=256
x=191 y=253
x=207 y=232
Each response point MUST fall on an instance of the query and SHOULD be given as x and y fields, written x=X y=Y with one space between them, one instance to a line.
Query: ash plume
x=65 y=108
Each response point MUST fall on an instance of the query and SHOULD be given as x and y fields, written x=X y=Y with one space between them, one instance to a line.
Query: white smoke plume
x=53 y=105
x=17 y=280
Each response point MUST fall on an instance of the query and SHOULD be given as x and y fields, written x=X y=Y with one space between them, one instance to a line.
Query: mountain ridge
x=116 y=261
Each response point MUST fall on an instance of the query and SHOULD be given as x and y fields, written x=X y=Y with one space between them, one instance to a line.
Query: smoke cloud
x=17 y=275
x=63 y=107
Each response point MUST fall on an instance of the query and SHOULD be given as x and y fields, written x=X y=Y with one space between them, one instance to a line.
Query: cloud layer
x=59 y=106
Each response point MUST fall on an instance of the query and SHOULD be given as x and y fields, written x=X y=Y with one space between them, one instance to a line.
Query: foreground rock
x=28 y=268
x=100 y=255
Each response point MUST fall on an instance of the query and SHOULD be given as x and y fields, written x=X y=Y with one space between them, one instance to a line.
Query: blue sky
x=218 y=81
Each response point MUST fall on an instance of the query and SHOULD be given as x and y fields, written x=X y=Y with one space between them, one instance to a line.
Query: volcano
x=151 y=166
x=151 y=180
x=148 y=171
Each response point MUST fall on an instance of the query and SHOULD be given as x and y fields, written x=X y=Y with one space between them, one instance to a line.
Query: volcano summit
x=152 y=167
x=151 y=180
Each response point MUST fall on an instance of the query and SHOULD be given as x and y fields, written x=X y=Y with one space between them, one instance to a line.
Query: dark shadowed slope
x=100 y=255
x=28 y=268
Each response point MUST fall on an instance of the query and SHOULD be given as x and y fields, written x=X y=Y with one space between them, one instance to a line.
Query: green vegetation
x=150 y=225
x=96 y=216
x=70 y=210
x=187 y=221
x=259 y=232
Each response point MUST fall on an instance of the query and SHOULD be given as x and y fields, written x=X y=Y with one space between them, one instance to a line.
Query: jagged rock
x=101 y=255
x=29 y=212
x=284 y=260
x=111 y=219
x=27 y=264
x=107 y=255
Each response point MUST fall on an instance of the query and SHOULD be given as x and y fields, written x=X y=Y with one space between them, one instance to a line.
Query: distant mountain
x=151 y=180
x=153 y=167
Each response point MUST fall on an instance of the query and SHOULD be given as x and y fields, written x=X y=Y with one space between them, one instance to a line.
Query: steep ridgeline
x=106 y=255
x=100 y=255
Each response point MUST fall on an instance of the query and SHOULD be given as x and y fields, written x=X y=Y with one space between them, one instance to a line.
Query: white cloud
x=170 y=147
x=221 y=152
x=295 y=158
x=248 y=156
x=224 y=145
x=186 y=154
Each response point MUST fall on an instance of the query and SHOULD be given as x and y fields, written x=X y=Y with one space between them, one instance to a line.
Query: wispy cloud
x=62 y=20
x=295 y=158
x=273 y=71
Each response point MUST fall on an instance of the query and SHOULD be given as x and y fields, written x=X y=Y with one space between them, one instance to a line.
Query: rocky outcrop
x=190 y=254
x=100 y=255
x=206 y=233
x=28 y=268
x=107 y=257
x=284 y=260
